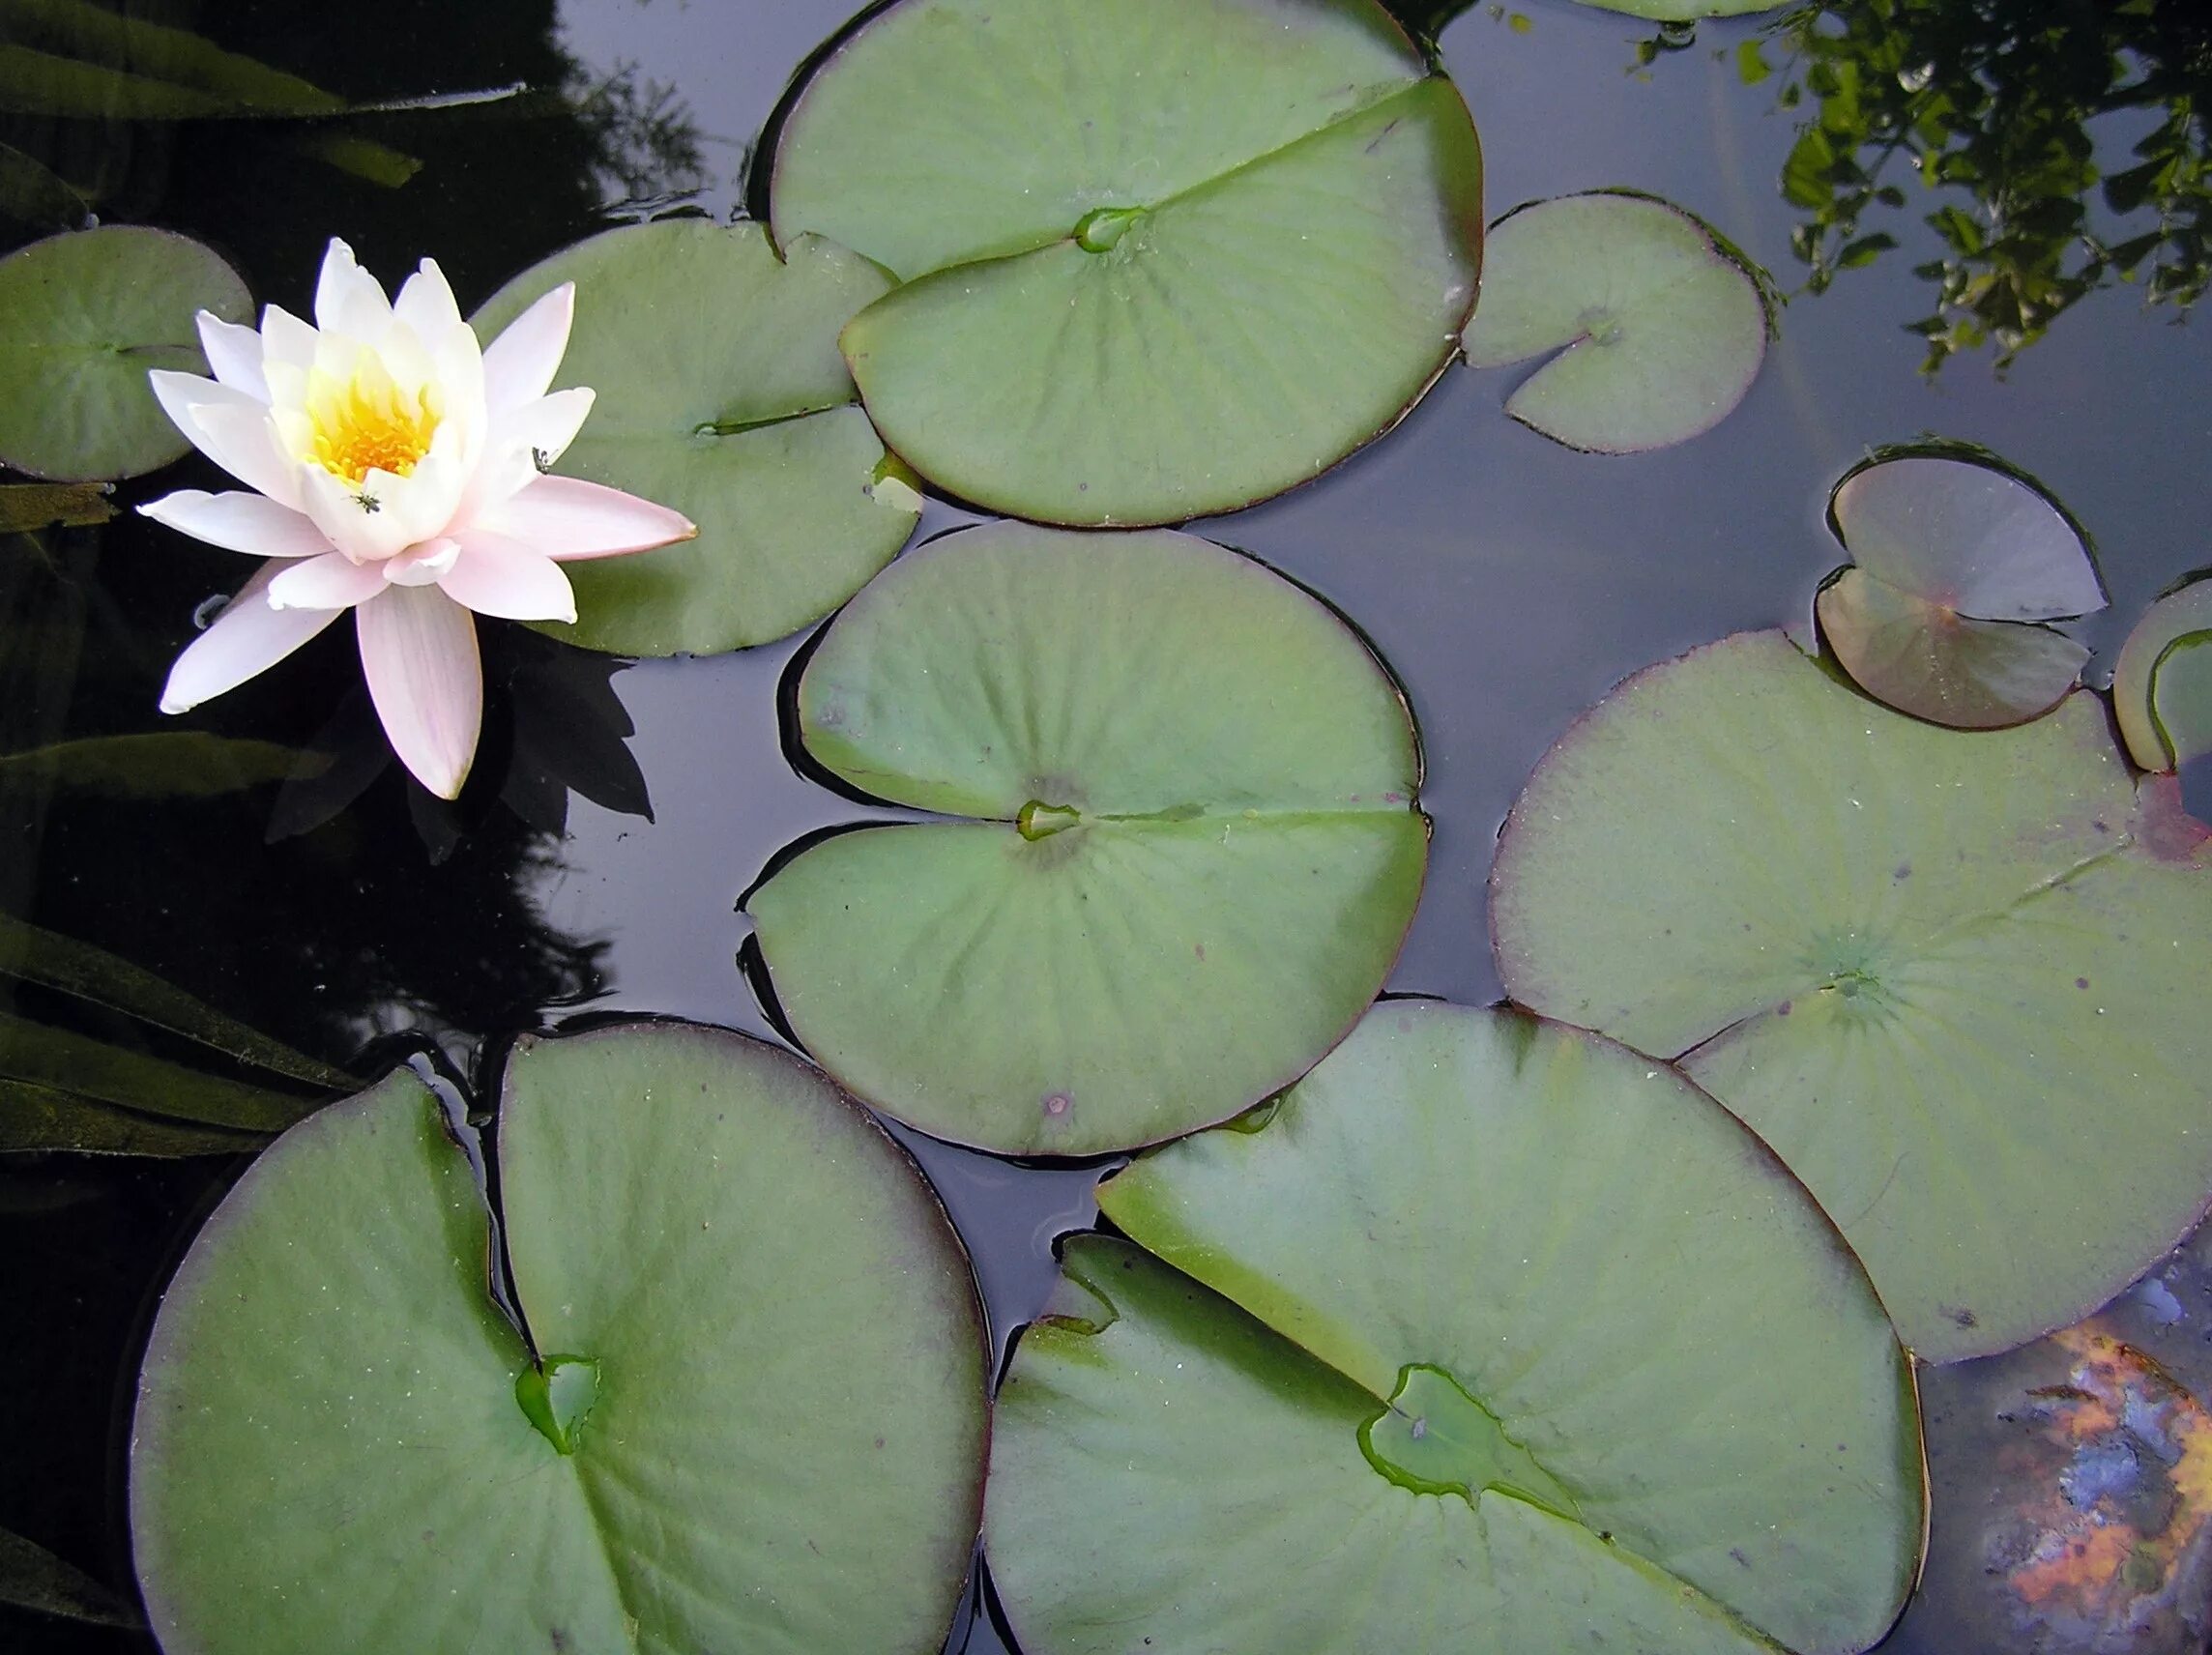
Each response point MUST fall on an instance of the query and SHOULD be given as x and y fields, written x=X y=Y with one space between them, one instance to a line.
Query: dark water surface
x=1509 y=582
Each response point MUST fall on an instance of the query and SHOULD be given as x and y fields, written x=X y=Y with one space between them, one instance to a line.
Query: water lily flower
x=398 y=471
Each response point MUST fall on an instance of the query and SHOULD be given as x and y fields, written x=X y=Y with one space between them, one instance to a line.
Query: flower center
x=368 y=423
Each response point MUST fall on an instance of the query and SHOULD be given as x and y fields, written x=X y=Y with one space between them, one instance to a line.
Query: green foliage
x=1993 y=104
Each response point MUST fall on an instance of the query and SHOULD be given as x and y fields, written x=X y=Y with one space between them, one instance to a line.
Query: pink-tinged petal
x=520 y=363
x=234 y=351
x=418 y=650
x=251 y=523
x=499 y=576
x=426 y=303
x=425 y=565
x=331 y=581
x=545 y=427
x=565 y=517
x=348 y=298
x=246 y=638
x=285 y=338
x=231 y=429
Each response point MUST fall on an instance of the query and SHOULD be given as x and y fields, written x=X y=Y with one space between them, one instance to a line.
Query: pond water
x=1506 y=580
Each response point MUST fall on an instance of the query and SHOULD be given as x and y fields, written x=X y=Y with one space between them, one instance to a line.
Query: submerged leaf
x=34 y=954
x=1197 y=859
x=1233 y=246
x=719 y=393
x=41 y=1118
x=757 y=1413
x=1955 y=978
x=33 y=1578
x=63 y=1060
x=1663 y=326
x=28 y=506
x=84 y=316
x=163 y=764
x=2161 y=685
x=1516 y=1330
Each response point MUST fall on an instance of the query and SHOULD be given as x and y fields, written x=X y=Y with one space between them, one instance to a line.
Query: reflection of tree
x=2002 y=106
x=646 y=141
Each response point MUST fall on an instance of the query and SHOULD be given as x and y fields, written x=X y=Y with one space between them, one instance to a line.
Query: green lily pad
x=758 y=1419
x=1954 y=561
x=720 y=393
x=1955 y=978
x=1660 y=326
x=1199 y=858
x=1522 y=1343
x=84 y=316
x=2161 y=685
x=1163 y=257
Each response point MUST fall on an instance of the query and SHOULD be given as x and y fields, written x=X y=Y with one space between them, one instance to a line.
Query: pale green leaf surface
x=1660 y=330
x=1643 y=1297
x=84 y=316
x=2183 y=615
x=783 y=1450
x=1239 y=863
x=720 y=393
x=1954 y=977
x=1300 y=251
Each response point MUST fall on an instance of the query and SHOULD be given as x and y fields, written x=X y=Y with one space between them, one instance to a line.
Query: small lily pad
x=2161 y=685
x=1928 y=659
x=84 y=316
x=720 y=393
x=1495 y=1336
x=1955 y=978
x=1197 y=859
x=1163 y=257
x=757 y=1418
x=1661 y=327
x=1955 y=560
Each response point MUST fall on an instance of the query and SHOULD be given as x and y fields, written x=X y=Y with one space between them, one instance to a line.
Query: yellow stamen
x=367 y=423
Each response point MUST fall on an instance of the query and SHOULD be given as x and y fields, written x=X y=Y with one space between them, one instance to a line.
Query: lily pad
x=1198 y=859
x=720 y=393
x=84 y=316
x=1522 y=1344
x=1683 y=11
x=1954 y=558
x=2161 y=685
x=1163 y=257
x=1955 y=978
x=1660 y=326
x=755 y=1417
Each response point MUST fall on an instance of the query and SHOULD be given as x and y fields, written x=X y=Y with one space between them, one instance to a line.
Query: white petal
x=565 y=517
x=234 y=351
x=418 y=650
x=499 y=576
x=331 y=581
x=520 y=363
x=426 y=302
x=285 y=338
x=348 y=298
x=239 y=523
x=425 y=565
x=230 y=429
x=363 y=519
x=545 y=427
x=428 y=498
x=247 y=637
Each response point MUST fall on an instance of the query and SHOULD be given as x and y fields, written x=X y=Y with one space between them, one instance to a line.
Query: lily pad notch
x=1235 y=247
x=1190 y=852
x=1959 y=561
x=727 y=1421
x=1659 y=321
x=2162 y=683
x=1389 y=1370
